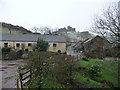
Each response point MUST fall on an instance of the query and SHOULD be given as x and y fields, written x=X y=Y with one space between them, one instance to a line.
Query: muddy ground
x=8 y=69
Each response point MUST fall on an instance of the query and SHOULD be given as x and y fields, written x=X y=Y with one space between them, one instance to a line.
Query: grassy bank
x=108 y=77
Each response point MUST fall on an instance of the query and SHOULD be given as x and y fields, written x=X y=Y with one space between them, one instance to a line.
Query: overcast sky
x=54 y=13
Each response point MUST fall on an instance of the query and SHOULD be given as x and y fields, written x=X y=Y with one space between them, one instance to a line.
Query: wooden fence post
x=19 y=80
x=23 y=75
x=30 y=74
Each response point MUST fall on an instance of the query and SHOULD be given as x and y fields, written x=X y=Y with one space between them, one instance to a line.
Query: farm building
x=94 y=47
x=28 y=41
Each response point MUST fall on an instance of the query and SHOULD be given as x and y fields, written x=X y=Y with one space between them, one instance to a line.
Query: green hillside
x=12 y=29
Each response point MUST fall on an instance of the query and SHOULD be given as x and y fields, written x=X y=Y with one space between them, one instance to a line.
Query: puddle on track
x=1 y=70
x=4 y=67
x=12 y=64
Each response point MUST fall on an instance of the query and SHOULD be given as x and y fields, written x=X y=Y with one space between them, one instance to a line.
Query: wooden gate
x=24 y=77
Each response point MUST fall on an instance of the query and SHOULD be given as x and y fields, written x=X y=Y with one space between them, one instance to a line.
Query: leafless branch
x=108 y=22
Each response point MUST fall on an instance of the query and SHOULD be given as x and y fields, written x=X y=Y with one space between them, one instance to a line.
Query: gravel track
x=8 y=69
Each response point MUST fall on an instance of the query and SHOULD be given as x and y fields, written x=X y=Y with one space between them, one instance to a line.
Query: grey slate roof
x=31 y=37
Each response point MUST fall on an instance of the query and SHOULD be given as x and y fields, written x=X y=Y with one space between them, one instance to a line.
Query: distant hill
x=65 y=30
x=12 y=29
x=72 y=36
x=77 y=36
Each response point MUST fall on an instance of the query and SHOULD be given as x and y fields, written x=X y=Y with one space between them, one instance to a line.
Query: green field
x=108 y=77
x=6 y=31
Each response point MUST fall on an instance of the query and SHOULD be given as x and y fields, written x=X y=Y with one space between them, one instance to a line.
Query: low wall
x=111 y=58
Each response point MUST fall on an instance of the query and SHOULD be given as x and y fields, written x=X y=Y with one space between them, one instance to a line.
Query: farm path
x=8 y=71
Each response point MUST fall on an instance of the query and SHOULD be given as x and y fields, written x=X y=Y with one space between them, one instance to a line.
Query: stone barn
x=94 y=48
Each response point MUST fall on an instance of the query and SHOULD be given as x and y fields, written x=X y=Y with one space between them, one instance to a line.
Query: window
x=29 y=44
x=17 y=45
x=5 y=44
x=26 y=49
x=54 y=45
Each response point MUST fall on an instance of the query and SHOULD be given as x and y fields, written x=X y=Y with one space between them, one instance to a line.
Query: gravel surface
x=9 y=73
x=71 y=52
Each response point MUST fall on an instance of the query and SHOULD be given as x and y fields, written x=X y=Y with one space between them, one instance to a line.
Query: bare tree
x=108 y=22
x=35 y=29
x=47 y=30
x=42 y=29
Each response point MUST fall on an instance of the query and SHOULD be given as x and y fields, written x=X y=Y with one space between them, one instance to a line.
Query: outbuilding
x=28 y=41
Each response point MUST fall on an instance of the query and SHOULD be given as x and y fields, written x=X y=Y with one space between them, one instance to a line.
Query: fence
x=24 y=77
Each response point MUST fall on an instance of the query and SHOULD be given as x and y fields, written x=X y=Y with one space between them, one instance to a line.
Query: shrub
x=12 y=55
x=63 y=69
x=19 y=53
x=42 y=45
x=5 y=50
x=94 y=71
x=41 y=64
x=58 y=52
x=49 y=65
x=85 y=59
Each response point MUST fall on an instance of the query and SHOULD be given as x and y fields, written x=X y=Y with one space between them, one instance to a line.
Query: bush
x=12 y=55
x=85 y=59
x=49 y=65
x=42 y=45
x=6 y=50
x=63 y=69
x=40 y=63
x=94 y=71
x=58 y=52
x=19 y=53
